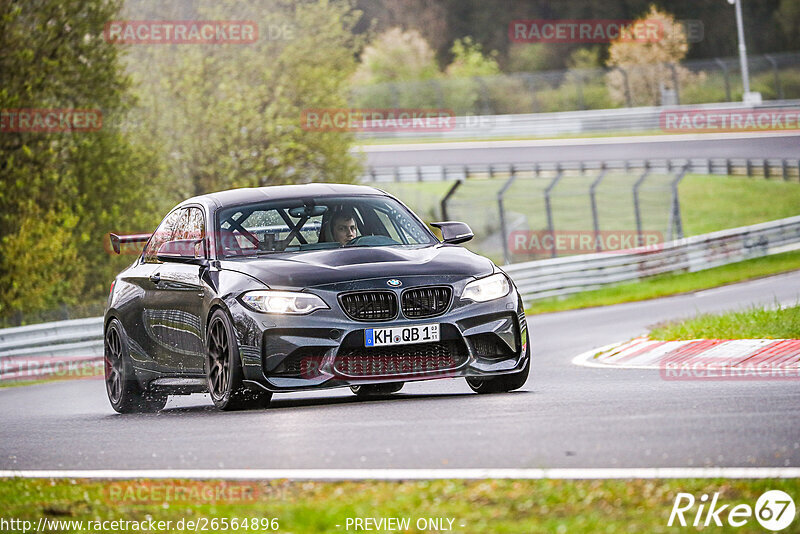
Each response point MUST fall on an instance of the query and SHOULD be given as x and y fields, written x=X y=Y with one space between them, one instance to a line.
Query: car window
x=191 y=225
x=302 y=225
x=163 y=233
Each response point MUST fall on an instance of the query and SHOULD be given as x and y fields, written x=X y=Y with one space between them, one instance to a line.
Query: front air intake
x=369 y=305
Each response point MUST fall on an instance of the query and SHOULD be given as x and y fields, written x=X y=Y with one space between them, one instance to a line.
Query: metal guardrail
x=562 y=276
x=82 y=339
x=621 y=120
x=62 y=347
x=65 y=338
x=787 y=169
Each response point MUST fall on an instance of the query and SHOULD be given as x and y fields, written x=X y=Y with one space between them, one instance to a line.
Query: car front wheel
x=502 y=383
x=224 y=368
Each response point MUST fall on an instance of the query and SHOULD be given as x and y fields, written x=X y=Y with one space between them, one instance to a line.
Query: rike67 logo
x=774 y=511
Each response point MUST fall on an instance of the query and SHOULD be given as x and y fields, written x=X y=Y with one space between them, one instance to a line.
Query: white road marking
x=415 y=474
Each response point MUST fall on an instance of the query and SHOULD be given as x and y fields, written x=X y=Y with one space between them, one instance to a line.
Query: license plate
x=401 y=335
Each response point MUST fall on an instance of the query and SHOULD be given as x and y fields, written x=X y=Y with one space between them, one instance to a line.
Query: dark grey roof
x=245 y=195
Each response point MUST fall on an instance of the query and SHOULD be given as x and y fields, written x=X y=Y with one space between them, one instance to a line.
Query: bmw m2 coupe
x=249 y=292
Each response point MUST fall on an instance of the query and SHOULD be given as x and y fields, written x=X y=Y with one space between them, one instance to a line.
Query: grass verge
x=496 y=506
x=671 y=284
x=753 y=323
x=45 y=380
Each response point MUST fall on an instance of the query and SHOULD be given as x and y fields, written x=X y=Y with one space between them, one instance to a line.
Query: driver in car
x=344 y=226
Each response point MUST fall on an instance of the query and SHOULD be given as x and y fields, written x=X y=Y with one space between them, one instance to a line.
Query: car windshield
x=301 y=225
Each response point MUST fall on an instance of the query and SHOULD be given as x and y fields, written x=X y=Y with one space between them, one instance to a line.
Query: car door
x=176 y=306
x=141 y=281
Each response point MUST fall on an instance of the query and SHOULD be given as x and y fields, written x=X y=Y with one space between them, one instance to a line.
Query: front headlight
x=283 y=302
x=485 y=289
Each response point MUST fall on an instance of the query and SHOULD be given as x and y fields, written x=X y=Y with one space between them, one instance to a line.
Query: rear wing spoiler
x=118 y=240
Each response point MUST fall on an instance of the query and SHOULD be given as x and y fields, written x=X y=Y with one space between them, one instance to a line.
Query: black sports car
x=248 y=292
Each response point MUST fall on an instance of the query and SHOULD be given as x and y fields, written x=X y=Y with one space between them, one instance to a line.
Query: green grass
x=495 y=506
x=708 y=203
x=44 y=380
x=711 y=203
x=753 y=323
x=672 y=284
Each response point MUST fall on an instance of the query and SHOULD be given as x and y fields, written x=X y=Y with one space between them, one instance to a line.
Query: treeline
x=771 y=25
x=177 y=120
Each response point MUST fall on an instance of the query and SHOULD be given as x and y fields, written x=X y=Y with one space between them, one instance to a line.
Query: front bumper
x=326 y=349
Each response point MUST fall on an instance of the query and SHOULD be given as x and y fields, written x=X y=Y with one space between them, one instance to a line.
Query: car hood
x=323 y=267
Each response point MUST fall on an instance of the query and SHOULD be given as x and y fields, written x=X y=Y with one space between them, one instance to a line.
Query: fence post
x=675 y=84
x=437 y=86
x=530 y=83
x=593 y=200
x=395 y=96
x=725 y=73
x=503 y=223
x=549 y=209
x=675 y=214
x=446 y=198
x=778 y=88
x=581 y=101
x=627 y=87
x=485 y=107
x=766 y=168
x=637 y=211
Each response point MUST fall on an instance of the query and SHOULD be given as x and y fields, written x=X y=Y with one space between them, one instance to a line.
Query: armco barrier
x=82 y=339
x=562 y=276
x=623 y=120
x=25 y=351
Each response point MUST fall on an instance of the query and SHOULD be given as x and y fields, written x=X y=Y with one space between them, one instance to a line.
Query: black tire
x=124 y=392
x=502 y=383
x=376 y=390
x=224 y=368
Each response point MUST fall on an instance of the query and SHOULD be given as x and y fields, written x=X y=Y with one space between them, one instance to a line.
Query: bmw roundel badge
x=394 y=282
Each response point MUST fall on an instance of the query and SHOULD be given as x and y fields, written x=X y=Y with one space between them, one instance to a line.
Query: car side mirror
x=454 y=232
x=191 y=251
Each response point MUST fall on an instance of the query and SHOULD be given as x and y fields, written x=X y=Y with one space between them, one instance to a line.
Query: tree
x=396 y=56
x=788 y=18
x=648 y=65
x=228 y=115
x=60 y=191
